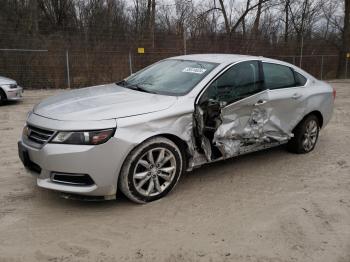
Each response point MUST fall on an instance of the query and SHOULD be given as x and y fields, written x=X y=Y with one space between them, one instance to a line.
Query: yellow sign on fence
x=141 y=50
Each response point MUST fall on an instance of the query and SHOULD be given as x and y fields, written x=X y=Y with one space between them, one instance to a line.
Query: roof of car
x=232 y=58
x=216 y=58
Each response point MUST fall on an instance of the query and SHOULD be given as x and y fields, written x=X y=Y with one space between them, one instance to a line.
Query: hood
x=6 y=81
x=100 y=103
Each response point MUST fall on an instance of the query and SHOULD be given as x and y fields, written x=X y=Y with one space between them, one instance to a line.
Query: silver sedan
x=141 y=134
x=9 y=90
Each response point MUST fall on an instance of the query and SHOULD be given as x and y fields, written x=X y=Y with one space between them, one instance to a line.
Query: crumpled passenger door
x=243 y=123
x=245 y=119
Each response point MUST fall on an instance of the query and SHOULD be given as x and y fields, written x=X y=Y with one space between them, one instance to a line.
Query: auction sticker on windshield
x=194 y=70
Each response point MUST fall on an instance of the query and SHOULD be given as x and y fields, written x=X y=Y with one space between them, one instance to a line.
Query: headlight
x=5 y=86
x=9 y=86
x=25 y=131
x=83 y=137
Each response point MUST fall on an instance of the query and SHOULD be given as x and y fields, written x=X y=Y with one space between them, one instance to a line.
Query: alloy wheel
x=310 y=135
x=154 y=171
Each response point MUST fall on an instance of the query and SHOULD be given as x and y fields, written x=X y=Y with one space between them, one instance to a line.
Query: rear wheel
x=305 y=135
x=151 y=170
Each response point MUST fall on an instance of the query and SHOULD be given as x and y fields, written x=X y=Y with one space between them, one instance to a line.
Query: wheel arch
x=3 y=92
x=180 y=143
x=319 y=116
x=317 y=113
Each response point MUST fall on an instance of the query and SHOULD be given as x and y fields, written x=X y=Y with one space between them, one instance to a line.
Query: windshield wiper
x=137 y=87
x=122 y=83
x=140 y=88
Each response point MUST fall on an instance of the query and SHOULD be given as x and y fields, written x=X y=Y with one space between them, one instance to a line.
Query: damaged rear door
x=287 y=98
x=232 y=116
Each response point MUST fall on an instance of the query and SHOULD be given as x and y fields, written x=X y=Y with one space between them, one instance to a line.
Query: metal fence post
x=130 y=63
x=185 y=42
x=67 y=69
x=301 y=51
x=321 y=67
x=346 y=67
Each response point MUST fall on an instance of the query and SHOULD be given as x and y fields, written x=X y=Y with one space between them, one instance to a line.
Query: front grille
x=39 y=135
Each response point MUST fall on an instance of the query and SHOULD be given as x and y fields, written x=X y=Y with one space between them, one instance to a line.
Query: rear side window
x=300 y=79
x=278 y=76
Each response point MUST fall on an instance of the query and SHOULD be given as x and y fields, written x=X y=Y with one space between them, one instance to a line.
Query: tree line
x=118 y=23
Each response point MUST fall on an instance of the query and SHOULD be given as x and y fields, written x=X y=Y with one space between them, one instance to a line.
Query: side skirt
x=201 y=160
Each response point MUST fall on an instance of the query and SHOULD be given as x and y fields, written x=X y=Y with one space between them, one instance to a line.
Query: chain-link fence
x=65 y=69
x=72 y=69
x=320 y=66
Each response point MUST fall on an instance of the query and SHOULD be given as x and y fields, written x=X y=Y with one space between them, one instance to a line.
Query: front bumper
x=102 y=163
x=96 y=161
x=14 y=94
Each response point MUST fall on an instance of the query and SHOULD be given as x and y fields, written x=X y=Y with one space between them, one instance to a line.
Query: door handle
x=260 y=102
x=296 y=95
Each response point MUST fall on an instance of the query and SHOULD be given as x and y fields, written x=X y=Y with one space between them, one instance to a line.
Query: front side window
x=169 y=77
x=240 y=81
x=278 y=76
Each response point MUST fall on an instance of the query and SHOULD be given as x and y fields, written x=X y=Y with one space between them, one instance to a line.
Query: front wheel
x=305 y=135
x=151 y=170
x=2 y=97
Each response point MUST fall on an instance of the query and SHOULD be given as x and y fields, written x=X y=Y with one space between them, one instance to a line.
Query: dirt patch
x=267 y=206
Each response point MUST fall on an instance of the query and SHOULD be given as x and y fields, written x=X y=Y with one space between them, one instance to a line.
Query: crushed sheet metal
x=237 y=131
x=181 y=125
x=206 y=146
x=205 y=143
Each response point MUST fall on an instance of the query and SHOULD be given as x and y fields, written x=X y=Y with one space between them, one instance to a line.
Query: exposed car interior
x=236 y=83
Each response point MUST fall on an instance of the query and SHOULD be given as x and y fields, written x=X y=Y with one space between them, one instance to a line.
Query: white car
x=140 y=134
x=9 y=90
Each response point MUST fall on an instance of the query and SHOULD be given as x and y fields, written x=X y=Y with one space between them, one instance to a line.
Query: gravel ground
x=267 y=206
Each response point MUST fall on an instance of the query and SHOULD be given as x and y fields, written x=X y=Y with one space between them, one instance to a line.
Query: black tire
x=297 y=144
x=3 y=97
x=127 y=181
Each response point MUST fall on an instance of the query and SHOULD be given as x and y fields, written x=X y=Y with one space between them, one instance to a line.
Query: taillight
x=334 y=93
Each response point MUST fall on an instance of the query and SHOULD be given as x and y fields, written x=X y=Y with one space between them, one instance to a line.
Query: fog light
x=72 y=179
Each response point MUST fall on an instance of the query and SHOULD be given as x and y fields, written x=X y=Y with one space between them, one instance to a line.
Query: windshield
x=169 y=77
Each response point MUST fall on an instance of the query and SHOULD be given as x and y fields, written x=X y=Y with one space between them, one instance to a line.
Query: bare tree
x=345 y=46
x=60 y=14
x=231 y=23
x=255 y=29
x=286 y=21
x=150 y=16
x=165 y=19
x=224 y=13
x=303 y=16
x=183 y=13
x=153 y=20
